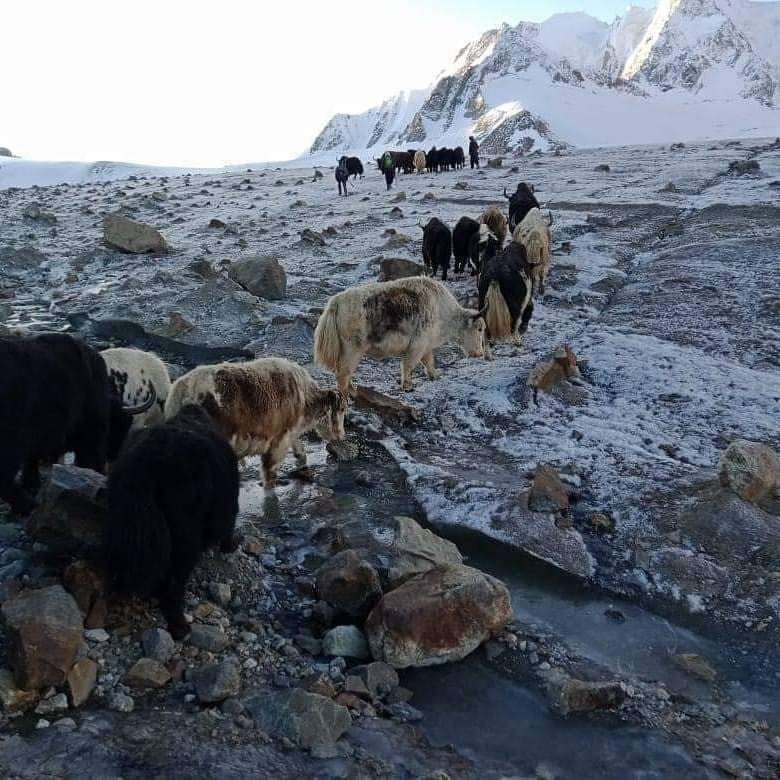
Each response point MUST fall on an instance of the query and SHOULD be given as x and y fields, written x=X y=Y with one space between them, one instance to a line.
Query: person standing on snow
x=473 y=152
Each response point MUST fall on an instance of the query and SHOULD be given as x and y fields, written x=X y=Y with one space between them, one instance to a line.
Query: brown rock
x=437 y=617
x=562 y=365
x=415 y=550
x=385 y=405
x=148 y=673
x=321 y=684
x=81 y=681
x=391 y=268
x=127 y=235
x=13 y=698
x=43 y=632
x=178 y=324
x=97 y=615
x=567 y=695
x=696 y=665
x=262 y=275
x=349 y=584
x=85 y=584
x=750 y=469
x=548 y=493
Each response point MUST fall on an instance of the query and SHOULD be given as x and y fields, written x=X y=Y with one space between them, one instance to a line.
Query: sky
x=202 y=83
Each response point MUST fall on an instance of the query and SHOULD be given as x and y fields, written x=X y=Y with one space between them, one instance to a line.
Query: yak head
x=330 y=425
x=121 y=419
x=472 y=333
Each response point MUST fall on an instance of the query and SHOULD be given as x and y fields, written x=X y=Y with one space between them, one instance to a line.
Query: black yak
x=460 y=157
x=437 y=247
x=521 y=201
x=505 y=288
x=55 y=397
x=354 y=166
x=172 y=494
x=342 y=174
x=446 y=159
x=473 y=152
x=432 y=160
x=465 y=245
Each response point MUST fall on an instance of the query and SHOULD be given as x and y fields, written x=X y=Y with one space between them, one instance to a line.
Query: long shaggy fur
x=497 y=317
x=172 y=493
x=535 y=235
x=495 y=220
x=327 y=343
x=419 y=160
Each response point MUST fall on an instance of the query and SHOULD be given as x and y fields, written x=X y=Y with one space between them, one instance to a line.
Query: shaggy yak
x=419 y=161
x=172 y=494
x=406 y=318
x=460 y=157
x=354 y=166
x=504 y=289
x=342 y=175
x=55 y=397
x=437 y=247
x=262 y=407
x=465 y=245
x=432 y=160
x=521 y=201
x=535 y=234
x=496 y=223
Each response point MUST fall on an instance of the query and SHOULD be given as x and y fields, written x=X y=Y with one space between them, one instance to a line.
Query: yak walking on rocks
x=342 y=175
x=437 y=247
x=521 y=201
x=465 y=245
x=172 y=494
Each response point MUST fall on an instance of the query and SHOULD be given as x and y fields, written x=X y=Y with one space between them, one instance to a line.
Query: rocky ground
x=645 y=588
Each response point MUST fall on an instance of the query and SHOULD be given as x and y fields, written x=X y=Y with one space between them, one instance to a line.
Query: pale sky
x=210 y=83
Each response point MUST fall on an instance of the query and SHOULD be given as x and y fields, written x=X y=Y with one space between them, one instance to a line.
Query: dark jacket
x=473 y=148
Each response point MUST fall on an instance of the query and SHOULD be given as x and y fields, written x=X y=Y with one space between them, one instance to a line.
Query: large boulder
x=548 y=493
x=349 y=584
x=43 y=635
x=750 y=469
x=437 y=617
x=307 y=719
x=216 y=682
x=262 y=275
x=391 y=268
x=127 y=235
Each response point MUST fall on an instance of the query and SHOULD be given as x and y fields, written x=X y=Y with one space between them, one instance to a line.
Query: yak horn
x=144 y=406
x=549 y=214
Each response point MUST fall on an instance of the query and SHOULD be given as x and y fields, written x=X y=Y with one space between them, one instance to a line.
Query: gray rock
x=307 y=719
x=262 y=275
x=379 y=678
x=216 y=682
x=220 y=592
x=121 y=702
x=209 y=638
x=750 y=469
x=148 y=673
x=345 y=642
x=158 y=644
x=127 y=235
x=495 y=162
x=56 y=703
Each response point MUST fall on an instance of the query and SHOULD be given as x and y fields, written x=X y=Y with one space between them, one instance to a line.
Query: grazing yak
x=535 y=234
x=432 y=160
x=342 y=176
x=504 y=289
x=354 y=166
x=172 y=494
x=406 y=318
x=495 y=222
x=55 y=397
x=459 y=157
x=420 y=161
x=521 y=201
x=465 y=245
x=262 y=407
x=437 y=247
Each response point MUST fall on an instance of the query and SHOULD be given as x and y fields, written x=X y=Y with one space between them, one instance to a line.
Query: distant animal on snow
x=419 y=161
x=446 y=159
x=432 y=160
x=172 y=494
x=406 y=318
x=535 y=234
x=342 y=176
x=473 y=152
x=437 y=247
x=465 y=245
x=505 y=289
x=55 y=398
x=459 y=157
x=262 y=407
x=496 y=223
x=354 y=166
x=521 y=201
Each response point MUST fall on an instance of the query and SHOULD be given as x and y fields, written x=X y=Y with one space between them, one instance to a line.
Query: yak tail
x=327 y=342
x=175 y=400
x=136 y=535
x=498 y=318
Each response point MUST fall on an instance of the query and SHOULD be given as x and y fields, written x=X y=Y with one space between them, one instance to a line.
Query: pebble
x=121 y=702
x=96 y=635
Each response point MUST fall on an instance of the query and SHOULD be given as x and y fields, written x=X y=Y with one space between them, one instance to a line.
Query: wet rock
x=207 y=637
x=262 y=275
x=437 y=617
x=744 y=168
x=696 y=665
x=495 y=162
x=391 y=268
x=348 y=583
x=12 y=698
x=415 y=550
x=402 y=712
x=345 y=642
x=385 y=405
x=81 y=681
x=379 y=678
x=148 y=673
x=570 y=695
x=216 y=682
x=750 y=469
x=158 y=644
x=603 y=168
x=548 y=493
x=127 y=235
x=43 y=635
x=306 y=719
x=71 y=510
x=343 y=451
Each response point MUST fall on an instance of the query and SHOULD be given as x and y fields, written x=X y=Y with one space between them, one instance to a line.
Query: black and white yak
x=437 y=247
x=55 y=398
x=521 y=201
x=465 y=245
x=172 y=494
x=505 y=289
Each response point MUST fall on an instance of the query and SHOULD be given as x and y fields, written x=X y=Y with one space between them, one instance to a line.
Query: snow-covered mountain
x=689 y=69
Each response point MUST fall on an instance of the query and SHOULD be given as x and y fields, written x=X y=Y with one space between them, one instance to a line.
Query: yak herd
x=172 y=449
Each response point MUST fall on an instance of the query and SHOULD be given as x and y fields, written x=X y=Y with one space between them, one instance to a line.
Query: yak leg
x=408 y=363
x=486 y=346
x=345 y=372
x=430 y=365
x=273 y=458
x=299 y=451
